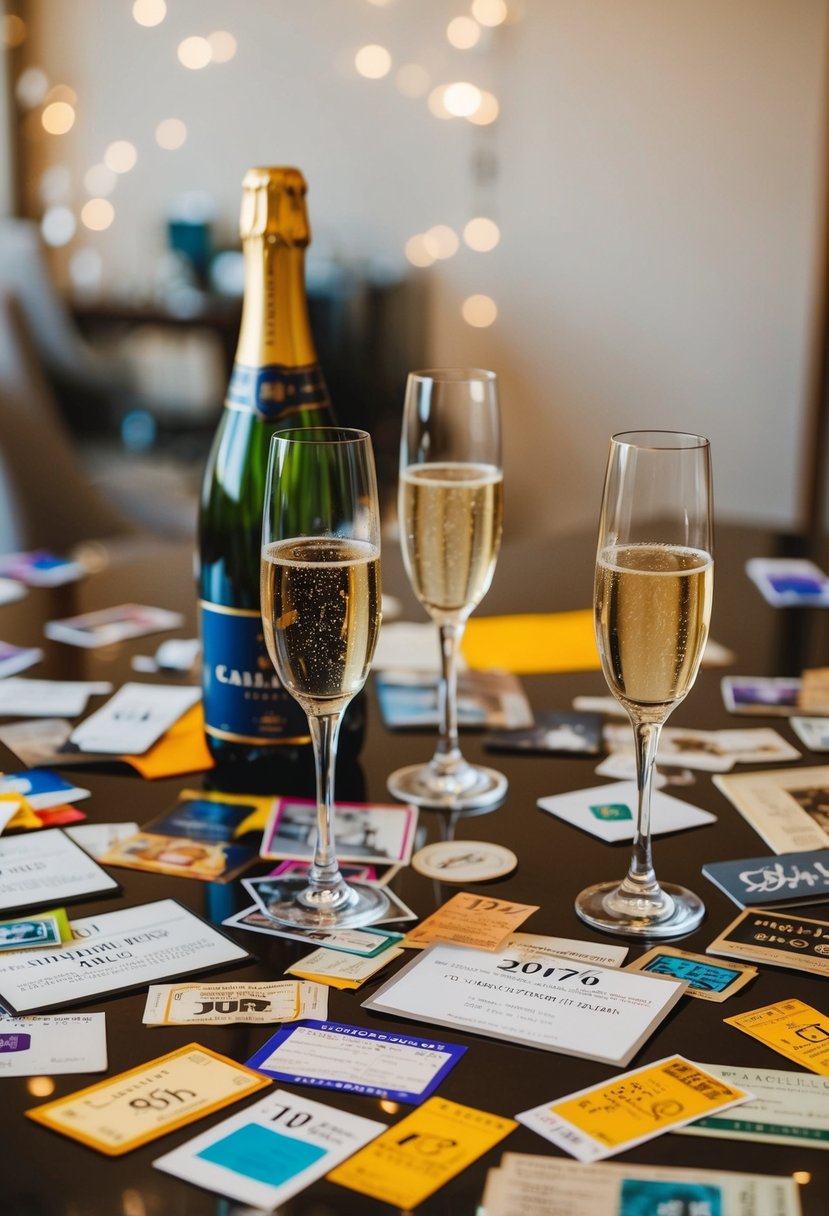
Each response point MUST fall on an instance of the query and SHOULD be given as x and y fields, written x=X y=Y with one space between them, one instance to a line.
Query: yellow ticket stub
x=471 y=920
x=411 y=1160
x=792 y=1029
x=126 y=1111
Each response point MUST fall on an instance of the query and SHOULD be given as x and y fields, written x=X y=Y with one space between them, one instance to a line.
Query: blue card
x=354 y=1059
x=769 y=882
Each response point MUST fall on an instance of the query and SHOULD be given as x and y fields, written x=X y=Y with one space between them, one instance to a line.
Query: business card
x=781 y=939
x=791 y=1028
x=57 y=1043
x=787 y=1108
x=706 y=980
x=609 y=811
x=471 y=920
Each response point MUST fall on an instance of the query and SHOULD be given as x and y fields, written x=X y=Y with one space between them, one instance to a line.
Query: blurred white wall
x=656 y=171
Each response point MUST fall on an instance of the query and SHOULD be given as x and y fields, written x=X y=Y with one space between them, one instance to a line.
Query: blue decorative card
x=773 y=882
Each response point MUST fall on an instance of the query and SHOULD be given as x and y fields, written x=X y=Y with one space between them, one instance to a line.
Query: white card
x=609 y=811
x=713 y=751
x=271 y=1150
x=17 y=658
x=98 y=838
x=409 y=646
x=60 y=1043
x=534 y=945
x=46 y=868
x=812 y=732
x=47 y=698
x=134 y=719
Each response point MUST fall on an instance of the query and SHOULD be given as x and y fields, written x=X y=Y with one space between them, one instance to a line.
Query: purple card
x=354 y=1059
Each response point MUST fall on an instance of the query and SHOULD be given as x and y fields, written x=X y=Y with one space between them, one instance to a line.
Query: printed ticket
x=787 y=1108
x=228 y=1003
x=706 y=980
x=782 y=939
x=422 y=1152
x=791 y=1028
x=128 y=1110
x=612 y=1117
x=471 y=920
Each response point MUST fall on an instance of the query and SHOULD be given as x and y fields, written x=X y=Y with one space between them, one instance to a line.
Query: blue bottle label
x=275 y=392
x=244 y=701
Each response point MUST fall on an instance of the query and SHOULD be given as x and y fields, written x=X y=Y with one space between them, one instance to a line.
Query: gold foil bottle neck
x=273 y=206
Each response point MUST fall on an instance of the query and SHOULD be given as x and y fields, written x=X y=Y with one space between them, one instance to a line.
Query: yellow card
x=422 y=1152
x=532 y=643
x=24 y=816
x=792 y=1029
x=471 y=920
x=142 y=1103
x=613 y=1116
x=181 y=749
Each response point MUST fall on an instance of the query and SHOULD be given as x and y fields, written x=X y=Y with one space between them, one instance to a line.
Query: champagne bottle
x=276 y=382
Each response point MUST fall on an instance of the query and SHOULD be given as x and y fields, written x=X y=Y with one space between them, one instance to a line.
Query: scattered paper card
x=96 y=839
x=527 y=997
x=357 y=1060
x=120 y=1114
x=409 y=699
x=789 y=808
x=42 y=788
x=130 y=948
x=42 y=868
x=409 y=646
x=134 y=719
x=812 y=732
x=366 y=942
x=781 y=940
x=776 y=696
x=616 y=1115
x=471 y=920
x=45 y=698
x=533 y=947
x=14 y=659
x=41 y=568
x=791 y=1028
x=787 y=582
x=270 y=1151
x=609 y=811
x=109 y=625
x=340 y=970
x=390 y=1171
x=62 y=1043
x=372 y=832
x=787 y=1108
x=10 y=591
x=227 y=1004
x=768 y=882
x=706 y=980
x=814 y=690
x=552 y=734
x=38 y=929
x=531 y=1185
x=714 y=751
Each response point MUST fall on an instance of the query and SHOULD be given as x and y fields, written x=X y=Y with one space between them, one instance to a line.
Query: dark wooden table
x=44 y=1174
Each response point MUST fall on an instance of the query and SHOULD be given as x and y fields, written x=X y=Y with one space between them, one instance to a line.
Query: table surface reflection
x=47 y=1175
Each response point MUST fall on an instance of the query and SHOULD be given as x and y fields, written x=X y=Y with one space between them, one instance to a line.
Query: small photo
x=217 y=861
x=409 y=699
x=362 y=832
x=23 y=934
x=571 y=733
x=756 y=695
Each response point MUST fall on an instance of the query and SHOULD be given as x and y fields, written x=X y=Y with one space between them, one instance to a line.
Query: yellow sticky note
x=532 y=643
x=471 y=920
x=181 y=749
x=791 y=1028
x=411 y=1160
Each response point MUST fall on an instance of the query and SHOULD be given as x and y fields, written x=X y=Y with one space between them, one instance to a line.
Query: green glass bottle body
x=250 y=720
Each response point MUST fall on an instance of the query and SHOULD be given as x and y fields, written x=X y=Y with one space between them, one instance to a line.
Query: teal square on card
x=257 y=1152
x=611 y=811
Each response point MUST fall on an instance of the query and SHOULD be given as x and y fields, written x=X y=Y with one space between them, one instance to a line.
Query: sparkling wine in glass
x=652 y=608
x=450 y=511
x=321 y=597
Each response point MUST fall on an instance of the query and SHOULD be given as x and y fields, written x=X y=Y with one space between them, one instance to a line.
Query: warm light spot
x=222 y=46
x=481 y=234
x=489 y=12
x=379 y=3
x=441 y=241
x=86 y=268
x=62 y=92
x=40 y=1087
x=437 y=102
x=58 y=117
x=479 y=311
x=462 y=98
x=57 y=226
x=416 y=251
x=14 y=30
x=32 y=86
x=487 y=111
x=55 y=184
x=463 y=33
x=802 y=1177
x=149 y=12
x=100 y=180
x=98 y=214
x=132 y=1203
x=194 y=53
x=390 y=1108
x=373 y=61
x=412 y=80
x=170 y=134
x=120 y=156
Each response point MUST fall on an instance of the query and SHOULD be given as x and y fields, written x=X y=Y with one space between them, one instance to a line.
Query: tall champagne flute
x=450 y=509
x=652 y=607
x=321 y=615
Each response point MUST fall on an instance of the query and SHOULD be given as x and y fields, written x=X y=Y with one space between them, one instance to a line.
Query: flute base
x=605 y=906
x=348 y=906
x=473 y=787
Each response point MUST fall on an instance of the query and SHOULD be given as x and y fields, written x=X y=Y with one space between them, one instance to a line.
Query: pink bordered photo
x=364 y=832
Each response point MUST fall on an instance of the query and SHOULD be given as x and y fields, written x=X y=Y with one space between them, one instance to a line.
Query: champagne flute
x=652 y=608
x=320 y=591
x=450 y=508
